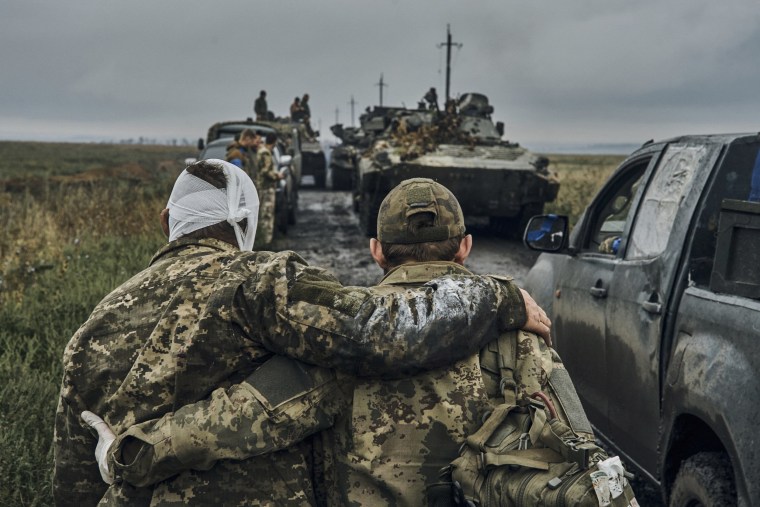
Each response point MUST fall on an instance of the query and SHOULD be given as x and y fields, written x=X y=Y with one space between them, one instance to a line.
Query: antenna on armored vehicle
x=448 y=45
x=352 y=103
x=381 y=84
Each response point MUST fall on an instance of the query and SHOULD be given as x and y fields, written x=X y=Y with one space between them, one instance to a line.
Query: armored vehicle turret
x=462 y=149
x=373 y=124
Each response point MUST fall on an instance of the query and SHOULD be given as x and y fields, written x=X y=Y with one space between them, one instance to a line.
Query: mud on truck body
x=463 y=150
x=655 y=303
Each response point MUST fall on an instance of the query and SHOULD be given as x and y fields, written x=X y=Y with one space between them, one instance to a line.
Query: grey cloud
x=581 y=71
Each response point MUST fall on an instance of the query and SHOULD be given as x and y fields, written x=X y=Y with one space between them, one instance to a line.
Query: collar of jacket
x=185 y=246
x=421 y=272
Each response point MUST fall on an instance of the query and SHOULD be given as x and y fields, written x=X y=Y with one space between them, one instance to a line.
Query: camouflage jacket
x=205 y=315
x=244 y=158
x=397 y=435
x=267 y=175
x=389 y=439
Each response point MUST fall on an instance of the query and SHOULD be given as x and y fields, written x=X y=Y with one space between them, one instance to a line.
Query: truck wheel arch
x=690 y=437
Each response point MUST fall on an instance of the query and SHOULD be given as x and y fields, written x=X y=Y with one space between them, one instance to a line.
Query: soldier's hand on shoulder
x=538 y=322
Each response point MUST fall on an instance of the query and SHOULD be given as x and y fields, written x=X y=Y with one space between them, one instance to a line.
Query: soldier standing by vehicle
x=266 y=183
x=208 y=312
x=431 y=97
x=242 y=152
x=260 y=106
x=305 y=109
x=296 y=112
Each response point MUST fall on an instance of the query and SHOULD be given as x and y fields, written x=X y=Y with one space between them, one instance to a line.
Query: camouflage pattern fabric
x=205 y=315
x=235 y=151
x=265 y=228
x=397 y=435
x=609 y=245
x=267 y=176
x=266 y=182
x=419 y=195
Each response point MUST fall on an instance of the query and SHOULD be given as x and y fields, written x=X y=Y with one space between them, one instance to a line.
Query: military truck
x=290 y=134
x=655 y=301
x=289 y=143
x=313 y=160
x=462 y=149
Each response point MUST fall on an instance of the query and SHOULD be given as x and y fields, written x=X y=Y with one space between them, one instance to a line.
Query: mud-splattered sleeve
x=304 y=313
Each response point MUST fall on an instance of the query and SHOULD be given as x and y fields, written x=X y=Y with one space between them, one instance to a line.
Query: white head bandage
x=195 y=204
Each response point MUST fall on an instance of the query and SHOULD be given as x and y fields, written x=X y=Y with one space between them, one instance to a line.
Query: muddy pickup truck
x=655 y=300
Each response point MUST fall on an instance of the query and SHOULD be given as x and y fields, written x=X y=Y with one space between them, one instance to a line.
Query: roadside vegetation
x=580 y=177
x=78 y=220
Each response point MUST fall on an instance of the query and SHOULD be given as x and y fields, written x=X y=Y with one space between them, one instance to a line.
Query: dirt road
x=327 y=234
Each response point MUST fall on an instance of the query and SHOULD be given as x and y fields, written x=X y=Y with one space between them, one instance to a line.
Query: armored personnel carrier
x=462 y=149
x=373 y=123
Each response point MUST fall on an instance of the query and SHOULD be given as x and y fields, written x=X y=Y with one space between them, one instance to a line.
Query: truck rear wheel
x=341 y=179
x=320 y=179
x=705 y=479
x=368 y=210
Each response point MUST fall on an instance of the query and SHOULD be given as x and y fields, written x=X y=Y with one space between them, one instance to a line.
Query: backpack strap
x=506 y=350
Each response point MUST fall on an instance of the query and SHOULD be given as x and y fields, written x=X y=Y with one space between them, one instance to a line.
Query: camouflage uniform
x=205 y=315
x=266 y=185
x=396 y=435
x=243 y=157
x=386 y=441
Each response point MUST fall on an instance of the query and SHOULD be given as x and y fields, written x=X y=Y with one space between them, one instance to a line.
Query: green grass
x=64 y=245
x=31 y=159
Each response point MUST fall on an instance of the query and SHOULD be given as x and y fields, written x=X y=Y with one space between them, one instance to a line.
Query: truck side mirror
x=546 y=233
x=201 y=145
x=500 y=127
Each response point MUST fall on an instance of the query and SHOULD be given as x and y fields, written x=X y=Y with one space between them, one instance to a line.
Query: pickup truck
x=655 y=303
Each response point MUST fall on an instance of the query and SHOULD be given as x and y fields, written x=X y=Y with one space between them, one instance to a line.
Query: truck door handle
x=652 y=307
x=598 y=292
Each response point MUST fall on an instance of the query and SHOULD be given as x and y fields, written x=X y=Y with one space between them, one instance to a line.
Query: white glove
x=105 y=439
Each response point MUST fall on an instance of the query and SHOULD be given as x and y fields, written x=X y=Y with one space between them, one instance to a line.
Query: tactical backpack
x=538 y=450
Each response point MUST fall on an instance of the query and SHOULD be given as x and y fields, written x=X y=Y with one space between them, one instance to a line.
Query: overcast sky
x=578 y=71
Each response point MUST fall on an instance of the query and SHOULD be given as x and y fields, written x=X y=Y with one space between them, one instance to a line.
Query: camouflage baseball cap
x=419 y=195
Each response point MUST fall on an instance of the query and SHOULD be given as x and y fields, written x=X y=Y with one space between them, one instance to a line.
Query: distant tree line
x=148 y=140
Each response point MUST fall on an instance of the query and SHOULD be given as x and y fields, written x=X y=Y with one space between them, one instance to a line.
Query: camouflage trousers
x=265 y=229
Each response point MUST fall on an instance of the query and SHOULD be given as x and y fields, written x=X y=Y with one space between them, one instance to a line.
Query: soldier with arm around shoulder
x=208 y=312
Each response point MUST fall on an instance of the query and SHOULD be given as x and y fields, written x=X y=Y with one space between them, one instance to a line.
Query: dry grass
x=580 y=177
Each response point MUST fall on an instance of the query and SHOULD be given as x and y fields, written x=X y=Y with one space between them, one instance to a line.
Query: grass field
x=79 y=219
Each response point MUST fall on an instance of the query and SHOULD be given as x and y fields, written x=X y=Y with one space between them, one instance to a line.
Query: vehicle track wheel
x=704 y=480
